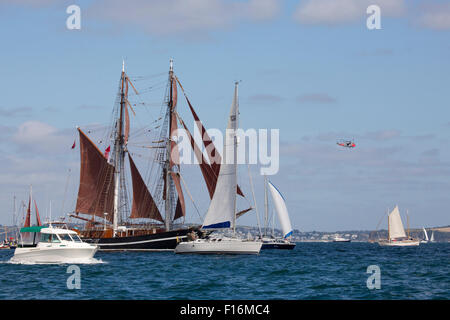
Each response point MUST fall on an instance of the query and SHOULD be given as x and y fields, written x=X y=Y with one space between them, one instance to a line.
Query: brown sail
x=38 y=219
x=208 y=174
x=213 y=155
x=96 y=190
x=143 y=205
x=28 y=217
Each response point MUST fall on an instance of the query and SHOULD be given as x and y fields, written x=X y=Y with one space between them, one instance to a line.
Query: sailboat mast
x=118 y=148
x=389 y=237
x=168 y=206
x=31 y=201
x=407 y=220
x=266 y=206
x=235 y=139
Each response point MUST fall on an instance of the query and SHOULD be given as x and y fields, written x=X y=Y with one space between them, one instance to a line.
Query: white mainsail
x=425 y=233
x=432 y=237
x=396 y=229
x=280 y=207
x=222 y=209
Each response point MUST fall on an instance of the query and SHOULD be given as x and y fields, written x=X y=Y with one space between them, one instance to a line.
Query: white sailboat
x=425 y=235
x=221 y=214
x=432 y=237
x=283 y=217
x=396 y=233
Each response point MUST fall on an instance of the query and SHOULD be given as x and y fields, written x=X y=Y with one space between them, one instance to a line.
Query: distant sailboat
x=285 y=222
x=221 y=214
x=425 y=235
x=432 y=237
x=396 y=232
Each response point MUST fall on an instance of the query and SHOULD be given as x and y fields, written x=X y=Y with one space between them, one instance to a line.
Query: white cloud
x=436 y=17
x=162 y=17
x=42 y=137
x=343 y=11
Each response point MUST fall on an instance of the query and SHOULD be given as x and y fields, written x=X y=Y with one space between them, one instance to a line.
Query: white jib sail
x=222 y=209
x=396 y=229
x=280 y=207
x=425 y=233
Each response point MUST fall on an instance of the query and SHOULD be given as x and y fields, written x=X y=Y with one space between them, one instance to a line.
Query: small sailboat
x=425 y=236
x=283 y=217
x=432 y=237
x=396 y=233
x=221 y=214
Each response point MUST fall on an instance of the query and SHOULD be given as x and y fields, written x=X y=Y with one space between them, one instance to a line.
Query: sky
x=310 y=68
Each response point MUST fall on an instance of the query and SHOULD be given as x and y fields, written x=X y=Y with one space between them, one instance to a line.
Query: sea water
x=310 y=271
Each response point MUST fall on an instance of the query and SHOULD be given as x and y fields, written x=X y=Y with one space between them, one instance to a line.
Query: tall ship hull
x=158 y=241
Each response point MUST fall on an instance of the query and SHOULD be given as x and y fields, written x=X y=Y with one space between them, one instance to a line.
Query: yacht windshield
x=65 y=236
x=46 y=237
x=76 y=238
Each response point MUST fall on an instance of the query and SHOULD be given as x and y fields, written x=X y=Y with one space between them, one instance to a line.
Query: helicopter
x=346 y=143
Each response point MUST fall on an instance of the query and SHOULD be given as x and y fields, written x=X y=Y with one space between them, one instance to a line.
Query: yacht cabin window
x=65 y=236
x=45 y=237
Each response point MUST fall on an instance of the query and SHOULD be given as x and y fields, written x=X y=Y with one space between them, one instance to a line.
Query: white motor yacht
x=47 y=244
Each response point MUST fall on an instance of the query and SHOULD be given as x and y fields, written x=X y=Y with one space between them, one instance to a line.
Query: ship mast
x=119 y=152
x=168 y=204
x=266 y=206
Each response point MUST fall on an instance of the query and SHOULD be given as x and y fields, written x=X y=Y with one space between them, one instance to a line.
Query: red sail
x=180 y=210
x=38 y=219
x=28 y=217
x=208 y=174
x=214 y=156
x=143 y=205
x=96 y=190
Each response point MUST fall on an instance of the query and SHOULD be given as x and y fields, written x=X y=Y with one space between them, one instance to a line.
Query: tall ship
x=156 y=219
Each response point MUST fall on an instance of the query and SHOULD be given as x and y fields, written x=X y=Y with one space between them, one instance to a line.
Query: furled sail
x=222 y=209
x=143 y=205
x=96 y=190
x=280 y=208
x=396 y=229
